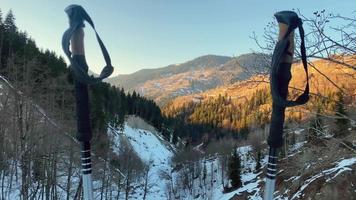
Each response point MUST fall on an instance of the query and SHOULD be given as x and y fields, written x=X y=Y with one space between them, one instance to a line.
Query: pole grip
x=275 y=138
x=84 y=133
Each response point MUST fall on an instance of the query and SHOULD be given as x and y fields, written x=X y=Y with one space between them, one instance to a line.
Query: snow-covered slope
x=152 y=150
x=150 y=147
x=253 y=182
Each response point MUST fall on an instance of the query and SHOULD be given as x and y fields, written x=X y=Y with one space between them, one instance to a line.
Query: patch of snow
x=299 y=131
x=147 y=146
x=293 y=178
x=157 y=85
x=340 y=167
x=297 y=146
x=250 y=187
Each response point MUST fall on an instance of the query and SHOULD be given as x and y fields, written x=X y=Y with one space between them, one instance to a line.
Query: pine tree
x=234 y=169
x=1 y=19
x=341 y=121
x=9 y=22
x=258 y=161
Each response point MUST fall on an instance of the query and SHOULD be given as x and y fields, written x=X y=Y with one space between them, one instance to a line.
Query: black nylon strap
x=84 y=133
x=280 y=50
x=280 y=78
x=81 y=75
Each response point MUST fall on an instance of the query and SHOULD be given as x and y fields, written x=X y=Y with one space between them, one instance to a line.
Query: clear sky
x=155 y=33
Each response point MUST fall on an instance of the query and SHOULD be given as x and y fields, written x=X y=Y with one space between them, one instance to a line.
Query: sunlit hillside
x=249 y=101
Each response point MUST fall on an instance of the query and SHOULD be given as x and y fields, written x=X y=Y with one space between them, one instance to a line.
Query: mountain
x=131 y=81
x=195 y=76
x=230 y=109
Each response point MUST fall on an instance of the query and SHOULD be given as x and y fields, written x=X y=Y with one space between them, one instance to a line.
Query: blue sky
x=155 y=33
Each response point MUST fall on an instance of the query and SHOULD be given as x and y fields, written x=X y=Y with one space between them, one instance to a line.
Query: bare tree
x=256 y=140
x=170 y=186
x=133 y=167
x=328 y=36
x=222 y=148
x=146 y=176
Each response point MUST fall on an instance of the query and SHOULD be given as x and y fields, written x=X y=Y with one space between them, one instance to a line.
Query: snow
x=147 y=146
x=297 y=146
x=157 y=85
x=341 y=166
x=1 y=88
x=151 y=149
x=250 y=179
x=12 y=183
x=251 y=187
x=299 y=131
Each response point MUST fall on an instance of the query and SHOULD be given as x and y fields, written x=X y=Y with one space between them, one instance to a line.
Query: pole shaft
x=86 y=171
x=271 y=174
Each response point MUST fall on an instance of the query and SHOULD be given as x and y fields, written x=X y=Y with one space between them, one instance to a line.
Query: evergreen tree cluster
x=112 y=104
x=44 y=77
x=224 y=116
x=234 y=169
x=221 y=116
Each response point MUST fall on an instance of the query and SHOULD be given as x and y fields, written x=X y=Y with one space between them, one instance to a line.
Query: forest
x=38 y=126
x=36 y=87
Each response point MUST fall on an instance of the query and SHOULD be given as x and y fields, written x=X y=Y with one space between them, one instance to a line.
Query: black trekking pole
x=74 y=36
x=280 y=76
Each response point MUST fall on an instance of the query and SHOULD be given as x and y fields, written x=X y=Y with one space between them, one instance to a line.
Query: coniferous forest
x=38 y=129
x=44 y=77
x=40 y=88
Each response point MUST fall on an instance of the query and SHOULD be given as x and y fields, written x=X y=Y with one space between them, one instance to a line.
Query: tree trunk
x=70 y=168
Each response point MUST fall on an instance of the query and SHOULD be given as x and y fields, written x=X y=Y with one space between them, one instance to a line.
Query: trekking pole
x=74 y=35
x=280 y=76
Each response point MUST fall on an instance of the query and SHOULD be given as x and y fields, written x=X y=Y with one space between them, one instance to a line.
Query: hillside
x=248 y=103
x=306 y=170
x=195 y=76
x=131 y=81
x=208 y=143
x=323 y=168
x=342 y=76
x=149 y=146
x=39 y=153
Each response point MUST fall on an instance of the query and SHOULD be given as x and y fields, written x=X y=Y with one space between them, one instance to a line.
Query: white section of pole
x=269 y=189
x=87 y=187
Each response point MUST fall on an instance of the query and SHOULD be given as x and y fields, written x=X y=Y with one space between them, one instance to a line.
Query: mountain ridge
x=116 y=80
x=194 y=76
